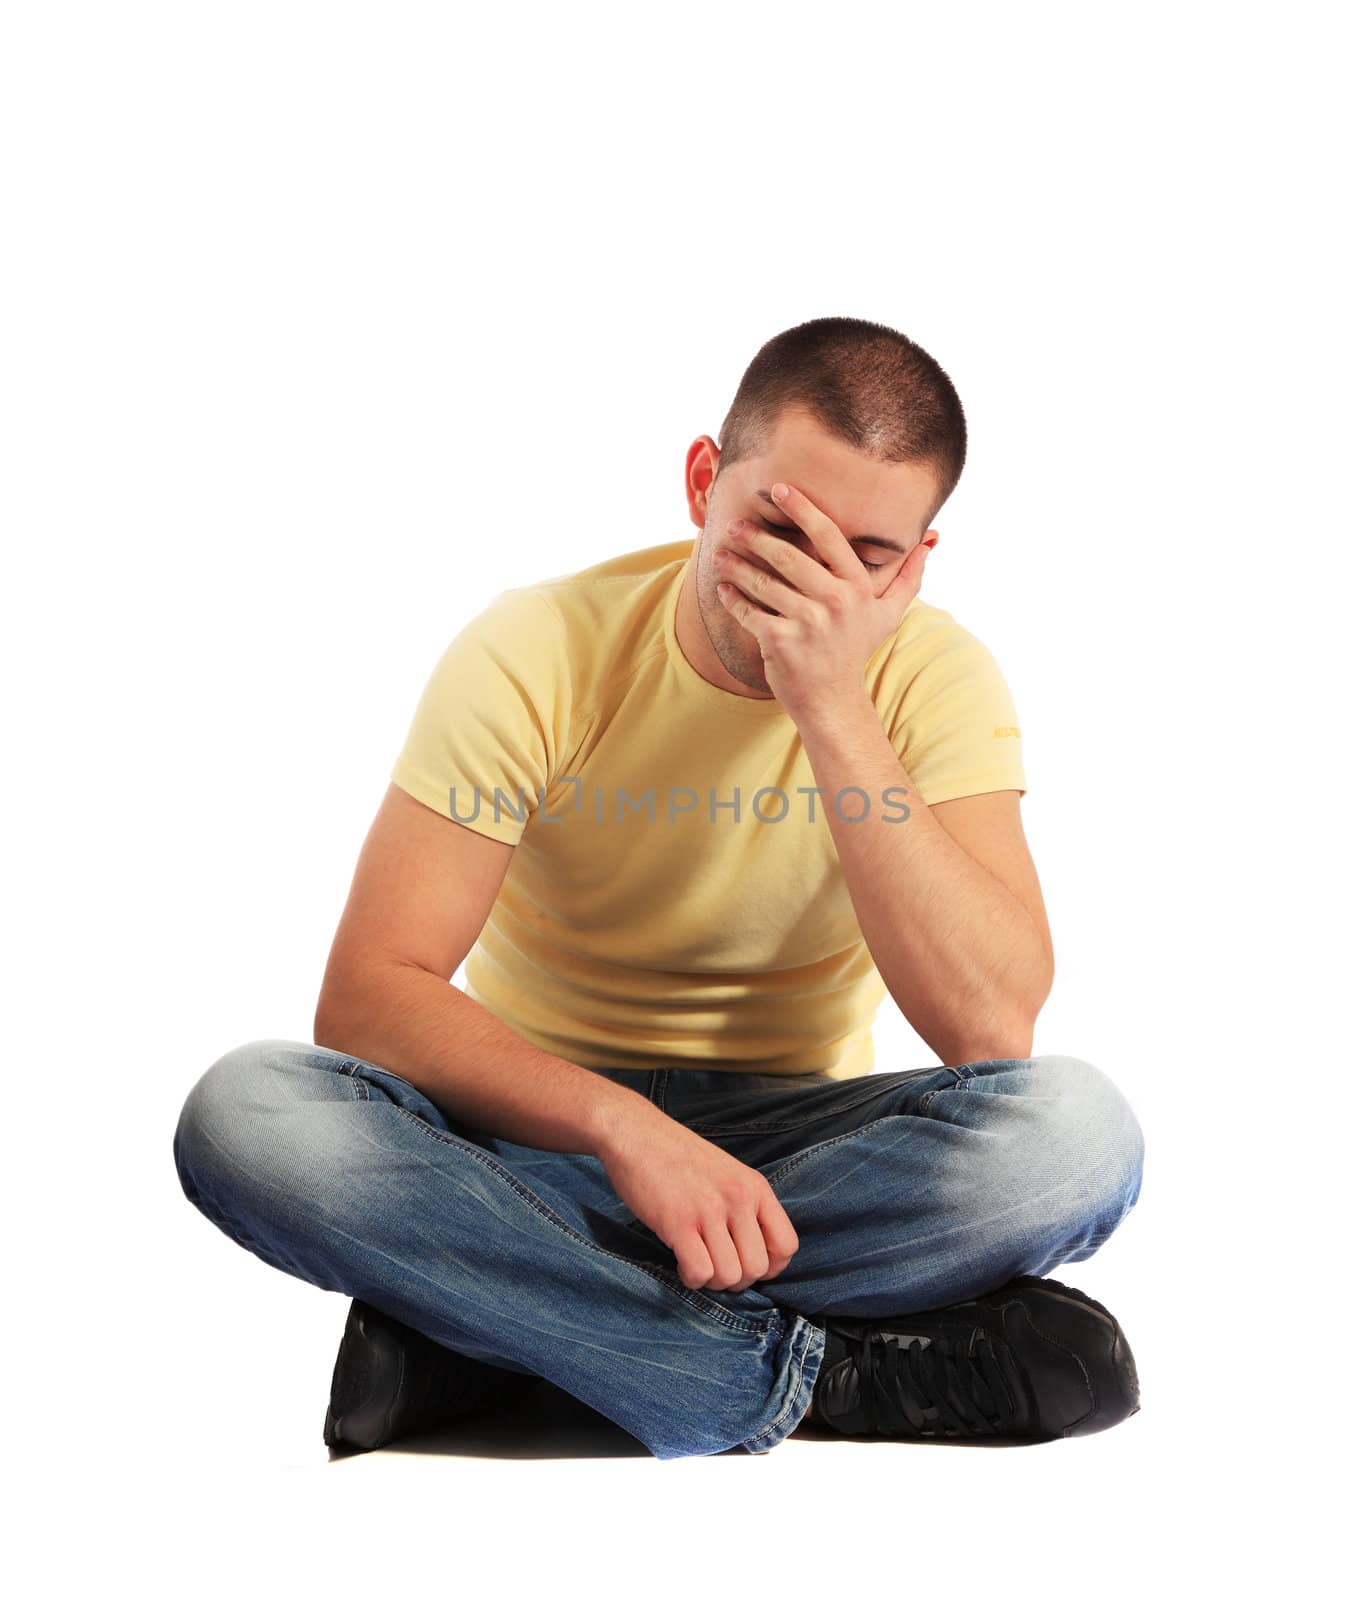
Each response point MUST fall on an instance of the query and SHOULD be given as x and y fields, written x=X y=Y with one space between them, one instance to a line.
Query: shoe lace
x=964 y=1387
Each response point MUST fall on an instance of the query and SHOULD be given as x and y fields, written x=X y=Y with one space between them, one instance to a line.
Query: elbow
x=352 y=1001
x=352 y=992
x=1008 y=1037
x=1015 y=1041
x=1021 y=1013
x=1010 y=1045
x=1015 y=1031
x=328 y=1032
x=1007 y=1034
x=333 y=1024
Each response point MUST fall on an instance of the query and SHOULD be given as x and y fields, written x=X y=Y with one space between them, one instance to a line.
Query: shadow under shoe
x=1031 y=1361
x=390 y=1381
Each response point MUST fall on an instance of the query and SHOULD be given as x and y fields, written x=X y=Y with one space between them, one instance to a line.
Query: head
x=855 y=415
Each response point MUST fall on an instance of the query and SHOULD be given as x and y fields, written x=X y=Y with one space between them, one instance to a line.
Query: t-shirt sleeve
x=491 y=726
x=956 y=730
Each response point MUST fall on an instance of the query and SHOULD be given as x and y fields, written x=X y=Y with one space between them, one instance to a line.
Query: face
x=869 y=501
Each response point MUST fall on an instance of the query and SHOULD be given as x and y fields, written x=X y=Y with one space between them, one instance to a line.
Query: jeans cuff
x=806 y=1345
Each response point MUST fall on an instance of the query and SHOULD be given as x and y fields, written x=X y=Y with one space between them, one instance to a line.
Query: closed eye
x=779 y=527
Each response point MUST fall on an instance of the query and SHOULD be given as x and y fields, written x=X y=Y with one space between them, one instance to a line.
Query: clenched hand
x=720 y=1217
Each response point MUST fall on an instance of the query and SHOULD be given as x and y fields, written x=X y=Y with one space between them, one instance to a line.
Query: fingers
x=781 y=1238
x=693 y=1261
x=749 y=1244
x=707 y=1257
x=746 y=1235
x=727 y=1263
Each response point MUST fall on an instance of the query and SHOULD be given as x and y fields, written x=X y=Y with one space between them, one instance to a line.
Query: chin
x=730 y=641
x=749 y=676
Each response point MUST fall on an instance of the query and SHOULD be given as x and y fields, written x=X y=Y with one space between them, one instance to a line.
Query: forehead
x=861 y=495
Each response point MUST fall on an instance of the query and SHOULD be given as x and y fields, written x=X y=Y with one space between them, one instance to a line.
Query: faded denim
x=908 y=1190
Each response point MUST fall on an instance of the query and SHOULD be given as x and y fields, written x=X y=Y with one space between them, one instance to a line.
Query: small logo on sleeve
x=1007 y=733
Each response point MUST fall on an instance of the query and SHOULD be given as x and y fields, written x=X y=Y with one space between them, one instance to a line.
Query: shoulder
x=608 y=591
x=938 y=671
x=607 y=615
x=568 y=636
x=929 y=635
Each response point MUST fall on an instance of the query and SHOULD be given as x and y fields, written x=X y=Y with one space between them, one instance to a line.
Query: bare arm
x=421 y=892
x=947 y=899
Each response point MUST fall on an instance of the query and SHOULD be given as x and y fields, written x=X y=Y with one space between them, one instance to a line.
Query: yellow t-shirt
x=664 y=906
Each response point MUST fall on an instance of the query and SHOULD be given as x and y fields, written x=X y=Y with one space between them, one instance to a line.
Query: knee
x=220 y=1125
x=1088 y=1130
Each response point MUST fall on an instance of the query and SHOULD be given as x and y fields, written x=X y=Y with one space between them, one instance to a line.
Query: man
x=689 y=814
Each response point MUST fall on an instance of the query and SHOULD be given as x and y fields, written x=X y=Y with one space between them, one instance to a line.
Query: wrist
x=833 y=712
x=609 y=1116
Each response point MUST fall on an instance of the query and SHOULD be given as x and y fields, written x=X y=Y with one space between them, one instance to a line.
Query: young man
x=689 y=814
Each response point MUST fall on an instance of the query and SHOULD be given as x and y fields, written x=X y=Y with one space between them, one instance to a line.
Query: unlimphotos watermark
x=682 y=801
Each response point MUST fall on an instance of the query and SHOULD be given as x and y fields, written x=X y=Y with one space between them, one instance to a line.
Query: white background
x=325 y=323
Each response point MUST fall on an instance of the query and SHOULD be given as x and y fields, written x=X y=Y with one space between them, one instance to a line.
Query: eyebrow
x=864 y=538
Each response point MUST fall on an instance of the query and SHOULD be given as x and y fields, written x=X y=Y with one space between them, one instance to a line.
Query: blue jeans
x=908 y=1190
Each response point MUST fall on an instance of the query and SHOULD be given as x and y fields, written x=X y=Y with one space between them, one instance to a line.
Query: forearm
x=470 y=1064
x=960 y=955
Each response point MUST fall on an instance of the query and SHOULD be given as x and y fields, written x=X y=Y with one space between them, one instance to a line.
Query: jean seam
x=826 y=1144
x=692 y=1297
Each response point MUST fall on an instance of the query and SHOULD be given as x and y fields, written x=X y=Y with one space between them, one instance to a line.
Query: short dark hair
x=864 y=382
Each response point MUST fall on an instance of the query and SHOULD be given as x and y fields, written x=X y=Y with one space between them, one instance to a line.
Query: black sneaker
x=390 y=1381
x=1032 y=1360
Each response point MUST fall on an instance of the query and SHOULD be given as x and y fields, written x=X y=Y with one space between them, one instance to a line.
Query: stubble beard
x=726 y=635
